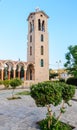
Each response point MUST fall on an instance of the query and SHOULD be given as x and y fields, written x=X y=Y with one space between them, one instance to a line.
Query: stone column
x=9 y=74
x=2 y=73
x=14 y=72
x=19 y=73
x=24 y=74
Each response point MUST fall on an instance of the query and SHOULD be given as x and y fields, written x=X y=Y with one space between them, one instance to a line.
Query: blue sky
x=62 y=28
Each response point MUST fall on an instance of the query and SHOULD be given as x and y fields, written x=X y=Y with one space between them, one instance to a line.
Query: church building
x=36 y=69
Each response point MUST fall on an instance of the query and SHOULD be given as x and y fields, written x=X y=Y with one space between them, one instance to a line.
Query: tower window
x=42 y=38
x=42 y=63
x=43 y=25
x=30 y=50
x=39 y=24
x=30 y=27
x=30 y=38
x=42 y=50
x=41 y=15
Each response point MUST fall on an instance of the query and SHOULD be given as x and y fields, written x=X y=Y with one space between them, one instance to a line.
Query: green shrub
x=72 y=81
x=68 y=92
x=60 y=125
x=46 y=93
x=6 y=83
x=15 y=82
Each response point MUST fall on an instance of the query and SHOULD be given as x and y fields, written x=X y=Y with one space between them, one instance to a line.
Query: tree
x=47 y=93
x=6 y=83
x=71 y=57
x=14 y=83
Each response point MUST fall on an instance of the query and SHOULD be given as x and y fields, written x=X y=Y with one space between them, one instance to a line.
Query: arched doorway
x=30 y=74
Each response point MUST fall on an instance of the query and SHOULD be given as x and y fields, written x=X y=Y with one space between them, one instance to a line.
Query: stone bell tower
x=37 y=47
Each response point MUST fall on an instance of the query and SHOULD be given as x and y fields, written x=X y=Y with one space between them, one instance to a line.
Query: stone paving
x=22 y=114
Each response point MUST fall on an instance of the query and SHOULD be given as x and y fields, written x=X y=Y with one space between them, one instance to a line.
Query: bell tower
x=37 y=46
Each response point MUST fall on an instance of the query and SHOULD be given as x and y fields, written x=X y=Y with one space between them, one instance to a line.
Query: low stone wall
x=28 y=83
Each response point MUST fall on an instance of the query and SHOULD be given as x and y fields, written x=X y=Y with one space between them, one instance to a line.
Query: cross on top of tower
x=37 y=9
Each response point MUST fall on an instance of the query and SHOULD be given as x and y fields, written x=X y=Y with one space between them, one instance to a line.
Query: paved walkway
x=22 y=114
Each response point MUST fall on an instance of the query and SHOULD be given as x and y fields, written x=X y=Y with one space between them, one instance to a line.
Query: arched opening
x=42 y=50
x=42 y=38
x=30 y=74
x=39 y=24
x=43 y=25
x=17 y=68
x=20 y=71
x=30 y=50
x=30 y=27
x=8 y=70
x=41 y=63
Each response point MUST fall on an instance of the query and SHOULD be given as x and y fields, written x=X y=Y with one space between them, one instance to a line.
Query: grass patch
x=23 y=93
x=13 y=98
